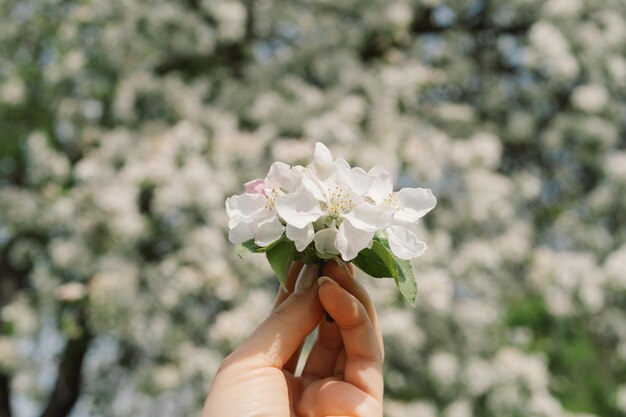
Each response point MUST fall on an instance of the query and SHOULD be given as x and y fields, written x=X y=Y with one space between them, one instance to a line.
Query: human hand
x=343 y=373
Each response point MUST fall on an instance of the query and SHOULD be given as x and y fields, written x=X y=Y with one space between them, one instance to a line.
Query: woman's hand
x=343 y=373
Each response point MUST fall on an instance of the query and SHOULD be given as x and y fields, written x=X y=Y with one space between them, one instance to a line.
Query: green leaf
x=376 y=262
x=248 y=247
x=264 y=249
x=308 y=256
x=380 y=262
x=280 y=257
x=406 y=280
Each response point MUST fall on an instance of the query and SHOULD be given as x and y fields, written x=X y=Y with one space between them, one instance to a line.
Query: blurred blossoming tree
x=124 y=124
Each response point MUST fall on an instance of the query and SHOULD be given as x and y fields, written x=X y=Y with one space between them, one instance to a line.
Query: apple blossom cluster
x=329 y=209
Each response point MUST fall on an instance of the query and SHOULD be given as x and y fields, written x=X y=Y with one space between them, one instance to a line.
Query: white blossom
x=338 y=207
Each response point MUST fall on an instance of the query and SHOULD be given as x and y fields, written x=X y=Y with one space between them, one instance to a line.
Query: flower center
x=338 y=201
x=271 y=197
x=392 y=201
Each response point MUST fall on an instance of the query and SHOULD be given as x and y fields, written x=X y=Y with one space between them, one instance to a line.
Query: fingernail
x=307 y=277
x=343 y=265
x=322 y=280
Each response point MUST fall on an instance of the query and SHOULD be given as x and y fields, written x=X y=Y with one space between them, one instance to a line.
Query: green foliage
x=246 y=248
x=280 y=257
x=379 y=262
x=587 y=376
x=405 y=280
x=375 y=261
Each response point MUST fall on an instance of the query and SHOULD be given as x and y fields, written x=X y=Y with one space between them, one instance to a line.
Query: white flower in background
x=444 y=368
x=459 y=408
x=590 y=98
x=8 y=354
x=413 y=408
x=71 y=291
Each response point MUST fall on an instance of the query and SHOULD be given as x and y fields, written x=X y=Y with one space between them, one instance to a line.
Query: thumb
x=282 y=333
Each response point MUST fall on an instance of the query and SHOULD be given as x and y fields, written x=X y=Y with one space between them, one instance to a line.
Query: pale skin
x=342 y=375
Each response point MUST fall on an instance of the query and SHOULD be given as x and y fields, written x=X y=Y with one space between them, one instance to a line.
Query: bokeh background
x=124 y=124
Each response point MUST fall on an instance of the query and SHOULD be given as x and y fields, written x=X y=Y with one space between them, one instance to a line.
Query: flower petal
x=269 y=231
x=403 y=243
x=350 y=240
x=256 y=186
x=321 y=154
x=325 y=241
x=301 y=237
x=241 y=232
x=298 y=209
x=369 y=217
x=246 y=207
x=415 y=203
x=382 y=184
x=323 y=161
x=282 y=176
x=360 y=181
x=315 y=186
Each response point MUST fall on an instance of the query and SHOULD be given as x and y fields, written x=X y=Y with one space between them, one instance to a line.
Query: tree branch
x=68 y=384
x=229 y=54
x=12 y=280
x=5 y=396
x=250 y=21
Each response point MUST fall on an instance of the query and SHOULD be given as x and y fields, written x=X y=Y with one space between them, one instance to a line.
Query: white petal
x=350 y=241
x=282 y=176
x=245 y=207
x=256 y=186
x=322 y=155
x=342 y=166
x=403 y=243
x=269 y=232
x=415 y=203
x=301 y=237
x=241 y=232
x=325 y=241
x=341 y=171
x=360 y=181
x=382 y=184
x=315 y=186
x=369 y=217
x=232 y=223
x=298 y=209
x=323 y=161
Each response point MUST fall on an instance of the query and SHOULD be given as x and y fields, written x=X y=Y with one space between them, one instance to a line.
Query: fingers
x=281 y=296
x=325 y=351
x=364 y=357
x=337 y=398
x=340 y=366
x=290 y=284
x=281 y=334
x=326 y=357
x=322 y=359
x=344 y=276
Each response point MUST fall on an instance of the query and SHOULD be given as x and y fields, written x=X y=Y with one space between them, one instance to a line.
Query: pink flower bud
x=256 y=186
